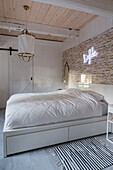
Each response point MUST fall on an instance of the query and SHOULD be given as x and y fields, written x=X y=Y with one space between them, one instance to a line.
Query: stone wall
x=101 y=68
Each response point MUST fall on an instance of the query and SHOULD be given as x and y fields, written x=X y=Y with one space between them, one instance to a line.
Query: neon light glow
x=91 y=54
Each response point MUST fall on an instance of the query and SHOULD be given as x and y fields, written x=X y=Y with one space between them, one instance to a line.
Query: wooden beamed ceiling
x=42 y=13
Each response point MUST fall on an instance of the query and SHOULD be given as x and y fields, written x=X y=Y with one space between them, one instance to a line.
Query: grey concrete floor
x=39 y=159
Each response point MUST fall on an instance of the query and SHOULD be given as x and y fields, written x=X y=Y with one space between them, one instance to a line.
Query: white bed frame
x=20 y=140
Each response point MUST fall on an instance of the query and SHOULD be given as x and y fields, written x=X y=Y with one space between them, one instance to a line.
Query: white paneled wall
x=4 y=72
x=45 y=69
x=20 y=75
x=4 y=89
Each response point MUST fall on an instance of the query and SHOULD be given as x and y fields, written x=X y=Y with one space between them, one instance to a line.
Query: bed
x=36 y=120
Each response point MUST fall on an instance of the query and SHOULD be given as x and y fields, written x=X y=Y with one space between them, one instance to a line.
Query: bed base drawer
x=86 y=130
x=25 y=142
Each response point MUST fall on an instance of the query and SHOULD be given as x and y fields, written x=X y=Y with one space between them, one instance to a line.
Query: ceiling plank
x=97 y=7
x=84 y=19
x=69 y=21
x=42 y=13
x=10 y=9
x=82 y=25
x=67 y=13
x=21 y=14
x=57 y=15
x=33 y=15
x=51 y=12
x=81 y=19
x=2 y=9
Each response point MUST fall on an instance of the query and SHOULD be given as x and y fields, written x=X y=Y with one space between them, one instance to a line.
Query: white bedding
x=32 y=109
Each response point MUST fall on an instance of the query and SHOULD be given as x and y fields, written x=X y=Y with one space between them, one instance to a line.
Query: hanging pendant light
x=26 y=42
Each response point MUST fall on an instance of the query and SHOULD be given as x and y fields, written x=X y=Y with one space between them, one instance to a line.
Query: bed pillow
x=98 y=96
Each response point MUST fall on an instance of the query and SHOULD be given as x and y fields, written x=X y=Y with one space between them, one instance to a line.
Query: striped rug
x=86 y=154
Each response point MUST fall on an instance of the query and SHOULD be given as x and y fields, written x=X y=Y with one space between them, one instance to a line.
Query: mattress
x=33 y=109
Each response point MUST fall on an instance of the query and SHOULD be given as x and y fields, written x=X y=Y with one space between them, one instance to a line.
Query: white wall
x=105 y=90
x=94 y=28
x=47 y=66
x=46 y=69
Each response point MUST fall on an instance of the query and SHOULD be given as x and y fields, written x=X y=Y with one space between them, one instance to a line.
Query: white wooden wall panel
x=4 y=72
x=20 y=75
x=3 y=78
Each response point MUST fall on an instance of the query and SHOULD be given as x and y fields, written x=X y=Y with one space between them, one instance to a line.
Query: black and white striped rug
x=86 y=154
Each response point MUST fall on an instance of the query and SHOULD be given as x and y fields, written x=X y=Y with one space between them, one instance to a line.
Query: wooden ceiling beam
x=97 y=7
x=5 y=32
x=18 y=25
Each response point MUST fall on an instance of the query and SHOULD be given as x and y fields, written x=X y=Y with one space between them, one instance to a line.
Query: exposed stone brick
x=101 y=68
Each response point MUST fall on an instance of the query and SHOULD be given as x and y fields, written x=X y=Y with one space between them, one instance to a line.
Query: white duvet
x=32 y=109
